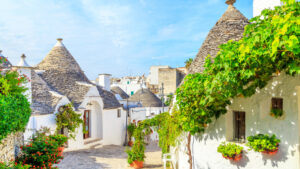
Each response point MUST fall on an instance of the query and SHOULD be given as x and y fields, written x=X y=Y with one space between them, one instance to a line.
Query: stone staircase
x=93 y=143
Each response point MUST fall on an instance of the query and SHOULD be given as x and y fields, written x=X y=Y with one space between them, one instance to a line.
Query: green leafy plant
x=137 y=153
x=130 y=130
x=60 y=139
x=276 y=113
x=188 y=62
x=42 y=151
x=230 y=149
x=169 y=99
x=261 y=142
x=14 y=165
x=69 y=119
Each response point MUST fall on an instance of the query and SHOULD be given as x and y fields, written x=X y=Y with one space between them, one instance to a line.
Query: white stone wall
x=10 y=146
x=258 y=120
x=114 y=128
x=259 y=5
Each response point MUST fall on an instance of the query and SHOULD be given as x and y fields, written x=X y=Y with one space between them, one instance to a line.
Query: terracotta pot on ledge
x=270 y=152
x=236 y=157
x=137 y=164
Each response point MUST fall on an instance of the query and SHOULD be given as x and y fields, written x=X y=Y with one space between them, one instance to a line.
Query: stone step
x=93 y=143
x=91 y=140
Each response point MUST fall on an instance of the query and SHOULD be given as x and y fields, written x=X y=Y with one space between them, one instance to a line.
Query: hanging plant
x=67 y=118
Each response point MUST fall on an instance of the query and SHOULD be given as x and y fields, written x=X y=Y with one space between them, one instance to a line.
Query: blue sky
x=120 y=37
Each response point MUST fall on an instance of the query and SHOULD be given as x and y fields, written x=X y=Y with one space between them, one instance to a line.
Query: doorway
x=86 y=119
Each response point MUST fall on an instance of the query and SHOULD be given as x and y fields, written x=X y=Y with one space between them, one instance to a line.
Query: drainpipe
x=127 y=113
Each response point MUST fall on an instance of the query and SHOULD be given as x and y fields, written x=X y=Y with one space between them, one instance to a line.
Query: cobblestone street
x=113 y=157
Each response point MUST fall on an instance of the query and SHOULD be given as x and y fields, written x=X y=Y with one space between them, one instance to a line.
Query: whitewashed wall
x=258 y=120
x=259 y=5
x=114 y=128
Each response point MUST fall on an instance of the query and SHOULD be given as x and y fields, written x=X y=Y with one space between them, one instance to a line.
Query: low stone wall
x=10 y=147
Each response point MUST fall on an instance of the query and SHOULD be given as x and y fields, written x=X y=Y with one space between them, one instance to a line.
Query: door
x=86 y=119
x=239 y=126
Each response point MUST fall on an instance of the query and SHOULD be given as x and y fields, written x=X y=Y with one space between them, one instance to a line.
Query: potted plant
x=264 y=143
x=231 y=151
x=136 y=155
x=130 y=129
x=276 y=113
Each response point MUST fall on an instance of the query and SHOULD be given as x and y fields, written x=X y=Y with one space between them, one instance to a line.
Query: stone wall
x=10 y=146
x=171 y=77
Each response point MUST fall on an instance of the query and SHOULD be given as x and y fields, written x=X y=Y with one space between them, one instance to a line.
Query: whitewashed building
x=145 y=105
x=253 y=113
x=129 y=84
x=59 y=80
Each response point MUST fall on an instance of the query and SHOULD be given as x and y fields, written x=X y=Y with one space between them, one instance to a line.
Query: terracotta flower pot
x=130 y=143
x=271 y=152
x=236 y=157
x=60 y=151
x=137 y=164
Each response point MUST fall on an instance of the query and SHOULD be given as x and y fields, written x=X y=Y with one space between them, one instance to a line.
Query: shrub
x=42 y=151
x=14 y=165
x=261 y=142
x=14 y=106
x=230 y=149
x=60 y=139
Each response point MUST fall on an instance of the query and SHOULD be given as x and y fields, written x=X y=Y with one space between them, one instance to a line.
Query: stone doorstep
x=90 y=143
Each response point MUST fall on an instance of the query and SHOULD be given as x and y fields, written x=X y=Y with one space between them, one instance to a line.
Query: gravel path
x=112 y=157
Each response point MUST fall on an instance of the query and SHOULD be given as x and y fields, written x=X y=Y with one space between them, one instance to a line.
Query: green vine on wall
x=67 y=118
x=270 y=45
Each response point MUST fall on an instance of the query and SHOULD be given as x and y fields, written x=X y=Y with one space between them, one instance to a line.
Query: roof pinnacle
x=59 y=42
x=23 y=56
x=230 y=2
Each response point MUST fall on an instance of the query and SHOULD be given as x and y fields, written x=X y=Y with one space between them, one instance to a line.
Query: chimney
x=25 y=69
x=104 y=81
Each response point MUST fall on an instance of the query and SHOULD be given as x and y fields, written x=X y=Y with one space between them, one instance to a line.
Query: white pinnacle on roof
x=23 y=62
x=59 y=42
x=1 y=53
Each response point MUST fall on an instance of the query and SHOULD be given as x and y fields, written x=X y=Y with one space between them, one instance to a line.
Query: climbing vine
x=270 y=45
x=69 y=119
x=14 y=107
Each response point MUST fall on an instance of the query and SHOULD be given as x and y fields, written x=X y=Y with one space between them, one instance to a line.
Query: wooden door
x=86 y=119
x=240 y=125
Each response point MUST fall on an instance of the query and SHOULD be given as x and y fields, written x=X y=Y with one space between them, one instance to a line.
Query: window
x=277 y=103
x=119 y=113
x=239 y=126
x=132 y=92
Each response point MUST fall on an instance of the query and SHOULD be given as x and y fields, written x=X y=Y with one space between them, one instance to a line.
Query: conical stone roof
x=44 y=99
x=229 y=27
x=64 y=75
x=5 y=64
x=146 y=97
x=119 y=91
